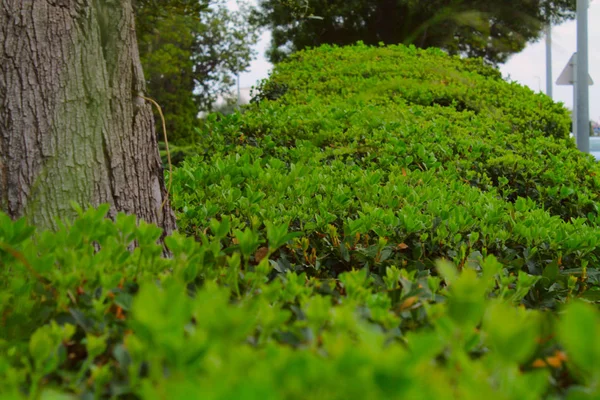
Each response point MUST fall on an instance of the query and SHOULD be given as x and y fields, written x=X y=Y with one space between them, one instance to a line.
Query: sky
x=527 y=67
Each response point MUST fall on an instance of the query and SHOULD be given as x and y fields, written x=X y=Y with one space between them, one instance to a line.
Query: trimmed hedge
x=380 y=223
x=358 y=144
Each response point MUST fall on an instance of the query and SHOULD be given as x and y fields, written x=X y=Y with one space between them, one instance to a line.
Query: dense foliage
x=167 y=61
x=223 y=49
x=191 y=54
x=380 y=223
x=478 y=28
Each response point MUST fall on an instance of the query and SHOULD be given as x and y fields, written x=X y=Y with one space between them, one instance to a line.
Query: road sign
x=567 y=76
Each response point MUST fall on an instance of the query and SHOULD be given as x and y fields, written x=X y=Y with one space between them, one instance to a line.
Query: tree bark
x=73 y=126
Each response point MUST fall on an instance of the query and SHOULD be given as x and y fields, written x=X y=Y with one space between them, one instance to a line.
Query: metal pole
x=574 y=112
x=549 y=60
x=582 y=71
x=239 y=99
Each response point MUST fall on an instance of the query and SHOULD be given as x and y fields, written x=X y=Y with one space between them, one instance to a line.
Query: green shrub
x=387 y=223
x=83 y=316
x=359 y=150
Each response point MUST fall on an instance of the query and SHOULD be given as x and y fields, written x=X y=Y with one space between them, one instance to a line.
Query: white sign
x=567 y=76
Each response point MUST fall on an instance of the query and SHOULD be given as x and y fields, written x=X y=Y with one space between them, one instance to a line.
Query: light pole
x=549 y=60
x=582 y=72
x=239 y=97
x=539 y=83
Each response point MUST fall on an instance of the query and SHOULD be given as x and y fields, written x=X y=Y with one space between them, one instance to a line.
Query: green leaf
x=466 y=298
x=578 y=331
x=220 y=229
x=550 y=273
x=447 y=270
x=248 y=241
x=511 y=332
x=95 y=345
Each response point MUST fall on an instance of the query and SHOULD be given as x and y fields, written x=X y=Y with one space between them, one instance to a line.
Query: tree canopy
x=492 y=30
x=223 y=48
x=191 y=52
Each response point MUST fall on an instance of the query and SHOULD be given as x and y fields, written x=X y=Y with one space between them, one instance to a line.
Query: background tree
x=223 y=49
x=73 y=124
x=489 y=29
x=166 y=55
x=191 y=55
x=149 y=12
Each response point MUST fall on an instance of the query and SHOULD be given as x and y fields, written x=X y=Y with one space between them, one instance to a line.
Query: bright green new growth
x=392 y=223
x=432 y=153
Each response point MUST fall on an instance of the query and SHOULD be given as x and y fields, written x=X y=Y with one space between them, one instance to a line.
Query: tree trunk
x=72 y=124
